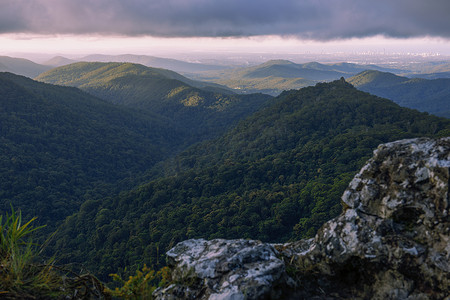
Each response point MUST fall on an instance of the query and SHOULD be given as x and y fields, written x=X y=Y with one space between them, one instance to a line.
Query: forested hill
x=432 y=96
x=92 y=74
x=278 y=175
x=205 y=110
x=60 y=145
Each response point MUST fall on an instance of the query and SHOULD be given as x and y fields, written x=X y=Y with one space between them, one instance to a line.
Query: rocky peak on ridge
x=390 y=242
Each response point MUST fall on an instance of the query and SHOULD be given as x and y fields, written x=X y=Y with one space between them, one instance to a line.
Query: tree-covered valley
x=277 y=176
x=61 y=145
x=204 y=109
x=131 y=160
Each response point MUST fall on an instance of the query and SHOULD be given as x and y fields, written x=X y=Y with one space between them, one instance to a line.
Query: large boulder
x=390 y=242
x=224 y=269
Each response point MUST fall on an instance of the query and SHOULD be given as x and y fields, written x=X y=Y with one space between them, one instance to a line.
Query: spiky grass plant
x=20 y=273
x=24 y=276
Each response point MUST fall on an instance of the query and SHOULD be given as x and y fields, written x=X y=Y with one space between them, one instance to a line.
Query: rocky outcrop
x=390 y=242
x=392 y=239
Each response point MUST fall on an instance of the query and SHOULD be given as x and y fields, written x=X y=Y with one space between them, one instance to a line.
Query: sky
x=164 y=26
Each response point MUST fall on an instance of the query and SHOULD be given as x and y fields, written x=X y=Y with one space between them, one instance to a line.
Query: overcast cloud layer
x=313 y=19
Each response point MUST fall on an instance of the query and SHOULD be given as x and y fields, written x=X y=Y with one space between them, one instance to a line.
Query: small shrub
x=141 y=285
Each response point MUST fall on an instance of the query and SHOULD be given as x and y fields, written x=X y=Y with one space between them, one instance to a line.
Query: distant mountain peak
x=278 y=62
x=59 y=61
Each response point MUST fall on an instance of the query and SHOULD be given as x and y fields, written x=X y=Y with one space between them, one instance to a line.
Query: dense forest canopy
x=60 y=145
x=277 y=176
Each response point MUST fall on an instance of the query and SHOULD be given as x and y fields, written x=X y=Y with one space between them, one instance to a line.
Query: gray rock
x=223 y=270
x=390 y=242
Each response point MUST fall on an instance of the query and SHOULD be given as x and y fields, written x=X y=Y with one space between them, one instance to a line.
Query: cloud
x=313 y=19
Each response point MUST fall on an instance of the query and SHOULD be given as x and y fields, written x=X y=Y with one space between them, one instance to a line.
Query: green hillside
x=93 y=74
x=204 y=110
x=59 y=146
x=277 y=176
x=432 y=96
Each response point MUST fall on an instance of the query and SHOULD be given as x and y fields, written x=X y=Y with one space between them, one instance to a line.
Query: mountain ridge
x=59 y=61
x=274 y=76
x=430 y=95
x=154 y=62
